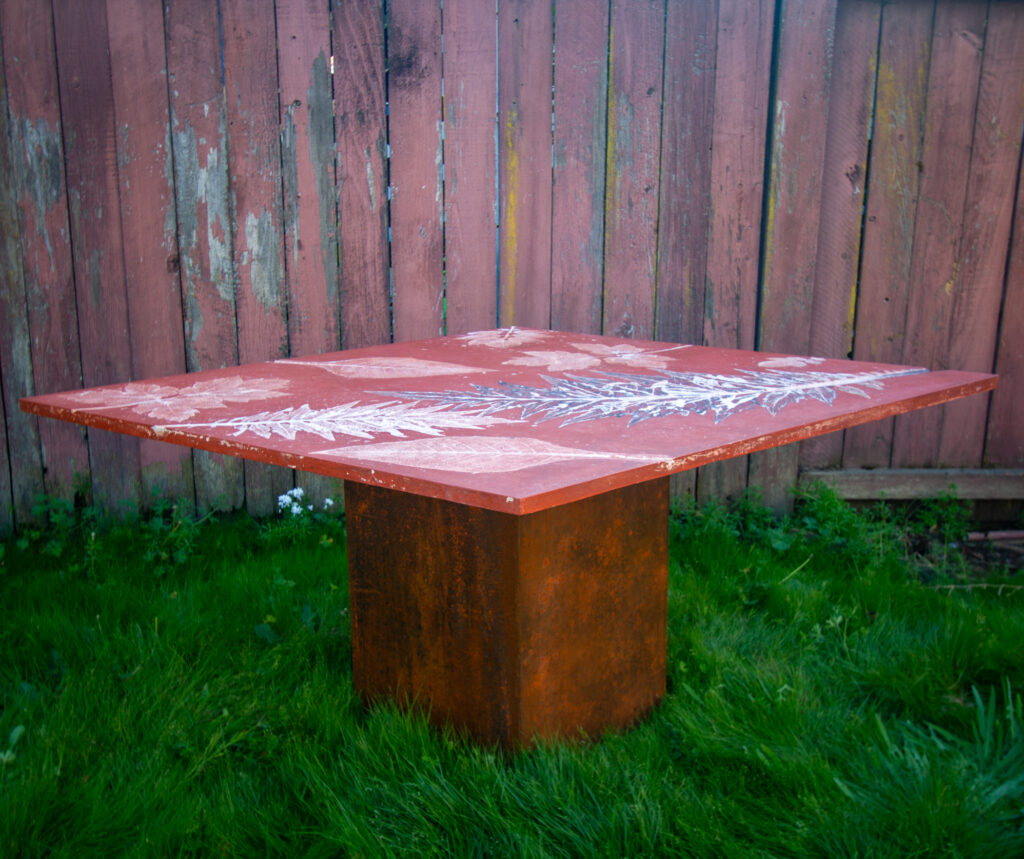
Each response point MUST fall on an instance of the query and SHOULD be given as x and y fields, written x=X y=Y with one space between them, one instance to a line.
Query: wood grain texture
x=524 y=160
x=21 y=471
x=254 y=164
x=685 y=181
x=636 y=56
x=38 y=181
x=954 y=72
x=893 y=181
x=471 y=167
x=978 y=294
x=803 y=81
x=87 y=114
x=149 y=234
x=310 y=192
x=742 y=80
x=1004 y=445
x=416 y=168
x=844 y=176
x=362 y=173
x=202 y=204
x=578 y=180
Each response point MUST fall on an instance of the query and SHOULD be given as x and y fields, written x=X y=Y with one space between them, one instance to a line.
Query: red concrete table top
x=514 y=420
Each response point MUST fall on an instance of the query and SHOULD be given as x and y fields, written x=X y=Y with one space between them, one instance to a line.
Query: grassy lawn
x=175 y=688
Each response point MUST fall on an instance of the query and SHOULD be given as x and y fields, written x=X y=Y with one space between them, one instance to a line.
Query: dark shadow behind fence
x=196 y=184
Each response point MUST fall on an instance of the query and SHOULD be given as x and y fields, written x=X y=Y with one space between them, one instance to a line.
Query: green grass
x=172 y=688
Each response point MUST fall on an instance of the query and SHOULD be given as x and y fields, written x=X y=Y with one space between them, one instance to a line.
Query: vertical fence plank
x=842 y=199
x=578 y=177
x=688 y=121
x=635 y=57
x=204 y=224
x=470 y=163
x=307 y=159
x=39 y=184
x=524 y=133
x=21 y=475
x=988 y=219
x=803 y=78
x=415 y=128
x=310 y=193
x=742 y=79
x=362 y=173
x=891 y=204
x=254 y=165
x=87 y=113
x=954 y=71
x=146 y=196
x=1004 y=446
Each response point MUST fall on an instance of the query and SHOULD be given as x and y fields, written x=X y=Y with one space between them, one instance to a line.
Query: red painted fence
x=194 y=184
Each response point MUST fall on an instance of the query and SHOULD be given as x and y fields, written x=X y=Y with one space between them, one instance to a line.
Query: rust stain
x=510 y=225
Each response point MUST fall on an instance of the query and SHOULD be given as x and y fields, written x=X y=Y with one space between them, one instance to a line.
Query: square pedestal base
x=549 y=624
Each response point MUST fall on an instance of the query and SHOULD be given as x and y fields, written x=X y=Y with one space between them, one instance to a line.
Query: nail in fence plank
x=254 y=165
x=800 y=116
x=21 y=475
x=470 y=163
x=362 y=174
x=636 y=56
x=957 y=38
x=988 y=219
x=892 y=190
x=1005 y=443
x=87 y=113
x=310 y=192
x=742 y=80
x=146 y=195
x=688 y=124
x=38 y=181
x=415 y=134
x=842 y=199
x=524 y=134
x=580 y=124
x=204 y=225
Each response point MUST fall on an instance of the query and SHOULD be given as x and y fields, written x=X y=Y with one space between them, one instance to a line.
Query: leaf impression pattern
x=358 y=420
x=386 y=368
x=477 y=454
x=169 y=403
x=575 y=398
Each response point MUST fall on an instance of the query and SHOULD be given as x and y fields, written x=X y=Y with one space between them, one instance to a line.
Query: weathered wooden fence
x=193 y=184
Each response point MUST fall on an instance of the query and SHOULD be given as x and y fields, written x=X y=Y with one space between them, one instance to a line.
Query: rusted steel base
x=550 y=624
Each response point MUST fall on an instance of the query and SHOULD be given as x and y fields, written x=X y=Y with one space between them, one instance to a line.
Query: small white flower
x=297 y=493
x=283 y=501
x=296 y=510
x=328 y=502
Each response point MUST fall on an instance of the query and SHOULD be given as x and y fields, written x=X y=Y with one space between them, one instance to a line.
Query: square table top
x=515 y=420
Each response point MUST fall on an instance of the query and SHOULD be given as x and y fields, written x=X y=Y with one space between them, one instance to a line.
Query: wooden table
x=507 y=495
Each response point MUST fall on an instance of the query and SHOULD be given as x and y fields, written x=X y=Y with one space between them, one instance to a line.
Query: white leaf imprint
x=170 y=403
x=386 y=368
x=504 y=338
x=573 y=399
x=789 y=361
x=358 y=420
x=555 y=361
x=478 y=454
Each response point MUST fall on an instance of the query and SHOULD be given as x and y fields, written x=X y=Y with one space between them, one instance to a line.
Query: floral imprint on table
x=592 y=355
x=504 y=338
x=477 y=454
x=169 y=403
x=355 y=419
x=385 y=368
x=575 y=398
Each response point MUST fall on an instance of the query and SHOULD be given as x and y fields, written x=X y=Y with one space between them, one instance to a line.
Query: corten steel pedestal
x=513 y=627
x=507 y=494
